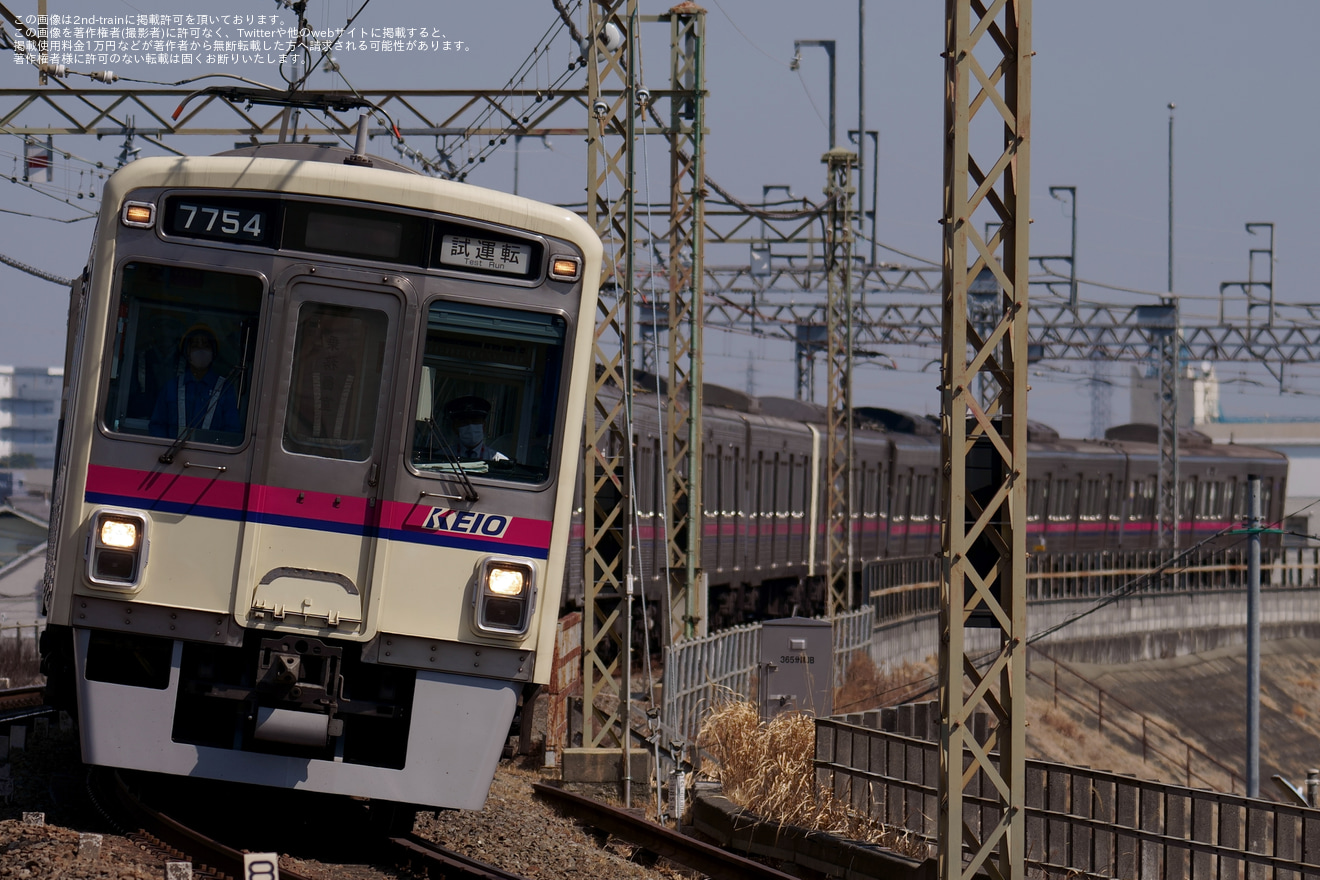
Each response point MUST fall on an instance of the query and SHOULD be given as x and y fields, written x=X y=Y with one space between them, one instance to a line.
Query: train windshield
x=489 y=391
x=182 y=356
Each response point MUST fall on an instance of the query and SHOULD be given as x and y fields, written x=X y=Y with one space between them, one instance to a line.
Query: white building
x=30 y=413
x=1198 y=396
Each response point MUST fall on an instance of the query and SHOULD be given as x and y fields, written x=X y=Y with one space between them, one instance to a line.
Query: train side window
x=882 y=509
x=1064 y=501
x=919 y=511
x=183 y=335
x=511 y=362
x=901 y=498
x=736 y=495
x=1033 y=501
x=790 y=498
x=760 y=484
x=1187 y=504
x=715 y=474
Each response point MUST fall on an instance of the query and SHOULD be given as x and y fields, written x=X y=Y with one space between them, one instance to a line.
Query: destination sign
x=485 y=254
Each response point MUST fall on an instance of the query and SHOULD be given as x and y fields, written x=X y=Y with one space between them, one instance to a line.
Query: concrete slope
x=1205 y=697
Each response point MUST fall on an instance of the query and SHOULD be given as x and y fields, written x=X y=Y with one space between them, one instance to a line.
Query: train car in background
x=322 y=419
x=765 y=498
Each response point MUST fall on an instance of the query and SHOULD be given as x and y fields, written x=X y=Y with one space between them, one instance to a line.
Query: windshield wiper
x=167 y=457
x=456 y=464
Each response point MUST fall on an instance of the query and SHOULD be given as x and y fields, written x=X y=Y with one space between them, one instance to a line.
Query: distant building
x=22 y=564
x=27 y=490
x=29 y=415
x=1198 y=396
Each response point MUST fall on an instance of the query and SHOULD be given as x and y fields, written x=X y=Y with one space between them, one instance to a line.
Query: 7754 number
x=231 y=221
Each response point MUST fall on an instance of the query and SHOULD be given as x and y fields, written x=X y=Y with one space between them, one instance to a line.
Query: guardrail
x=1156 y=739
x=698 y=671
x=909 y=588
x=21 y=635
x=1079 y=822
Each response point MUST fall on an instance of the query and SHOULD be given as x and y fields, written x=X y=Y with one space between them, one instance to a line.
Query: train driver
x=467 y=419
x=198 y=397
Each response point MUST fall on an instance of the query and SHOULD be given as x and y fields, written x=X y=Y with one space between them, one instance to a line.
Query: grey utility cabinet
x=797 y=668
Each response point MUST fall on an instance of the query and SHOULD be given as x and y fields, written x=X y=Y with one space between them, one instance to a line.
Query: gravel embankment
x=516 y=831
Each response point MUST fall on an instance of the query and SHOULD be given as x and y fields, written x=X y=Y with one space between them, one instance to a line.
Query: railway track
x=158 y=833
x=172 y=840
x=710 y=860
x=22 y=702
x=429 y=859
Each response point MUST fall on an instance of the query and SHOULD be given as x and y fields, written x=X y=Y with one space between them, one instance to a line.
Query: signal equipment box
x=797 y=667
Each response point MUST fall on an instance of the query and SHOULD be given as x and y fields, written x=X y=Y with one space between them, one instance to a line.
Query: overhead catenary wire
x=32 y=270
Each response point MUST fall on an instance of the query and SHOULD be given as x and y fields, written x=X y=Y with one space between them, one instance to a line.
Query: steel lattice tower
x=984 y=540
x=839 y=352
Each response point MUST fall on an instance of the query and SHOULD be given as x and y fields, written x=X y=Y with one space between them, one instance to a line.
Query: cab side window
x=181 y=362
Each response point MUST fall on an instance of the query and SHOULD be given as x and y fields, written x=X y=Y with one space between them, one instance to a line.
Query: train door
x=315 y=498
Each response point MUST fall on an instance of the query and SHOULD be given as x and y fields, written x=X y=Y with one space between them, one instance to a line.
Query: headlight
x=117 y=549
x=119 y=533
x=504 y=597
x=506 y=581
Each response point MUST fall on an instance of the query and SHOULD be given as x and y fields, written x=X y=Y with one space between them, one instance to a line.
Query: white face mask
x=470 y=435
x=200 y=358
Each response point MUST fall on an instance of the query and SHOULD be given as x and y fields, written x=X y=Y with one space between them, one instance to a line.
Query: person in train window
x=198 y=398
x=467 y=419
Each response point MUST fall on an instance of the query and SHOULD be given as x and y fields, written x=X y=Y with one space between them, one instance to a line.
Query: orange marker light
x=139 y=214
x=563 y=268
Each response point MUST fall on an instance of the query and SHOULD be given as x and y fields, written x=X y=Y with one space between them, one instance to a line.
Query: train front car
x=316 y=467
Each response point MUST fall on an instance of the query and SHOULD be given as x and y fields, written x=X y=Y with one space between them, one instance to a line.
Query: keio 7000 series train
x=317 y=456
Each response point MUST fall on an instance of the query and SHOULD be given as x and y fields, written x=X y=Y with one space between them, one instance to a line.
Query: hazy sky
x=1104 y=74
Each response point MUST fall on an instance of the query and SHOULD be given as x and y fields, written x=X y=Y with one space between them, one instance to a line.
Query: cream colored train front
x=317 y=455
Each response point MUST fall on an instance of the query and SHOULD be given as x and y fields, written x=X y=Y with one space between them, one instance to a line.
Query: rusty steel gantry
x=607 y=448
x=984 y=530
x=839 y=461
x=617 y=103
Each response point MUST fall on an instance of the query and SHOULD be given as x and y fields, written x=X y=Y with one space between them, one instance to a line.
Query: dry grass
x=869 y=687
x=1061 y=722
x=767 y=769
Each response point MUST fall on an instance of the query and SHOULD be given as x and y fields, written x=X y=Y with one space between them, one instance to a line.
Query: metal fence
x=909 y=588
x=1079 y=822
x=21 y=636
x=700 y=672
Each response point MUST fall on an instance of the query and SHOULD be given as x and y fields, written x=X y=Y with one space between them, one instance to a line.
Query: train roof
x=303 y=173
x=1146 y=433
x=314 y=153
x=1134 y=439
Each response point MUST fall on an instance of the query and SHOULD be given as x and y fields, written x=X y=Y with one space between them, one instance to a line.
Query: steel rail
x=710 y=860
x=171 y=839
x=22 y=702
x=446 y=862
